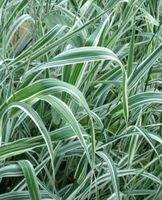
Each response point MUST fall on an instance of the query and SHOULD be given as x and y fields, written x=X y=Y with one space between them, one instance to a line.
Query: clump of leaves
x=80 y=104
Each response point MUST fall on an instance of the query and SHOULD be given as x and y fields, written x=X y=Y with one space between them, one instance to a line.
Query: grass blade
x=31 y=179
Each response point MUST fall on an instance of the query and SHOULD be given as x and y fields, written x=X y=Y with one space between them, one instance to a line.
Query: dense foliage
x=80 y=99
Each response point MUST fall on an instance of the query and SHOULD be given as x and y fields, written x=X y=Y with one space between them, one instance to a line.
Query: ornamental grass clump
x=80 y=100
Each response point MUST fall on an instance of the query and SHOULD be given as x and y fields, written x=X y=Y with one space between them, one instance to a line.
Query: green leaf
x=31 y=179
x=65 y=111
x=143 y=68
x=139 y=100
x=113 y=172
x=131 y=52
x=27 y=144
x=36 y=119
x=77 y=55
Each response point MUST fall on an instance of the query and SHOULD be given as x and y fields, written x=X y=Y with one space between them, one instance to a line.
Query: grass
x=80 y=100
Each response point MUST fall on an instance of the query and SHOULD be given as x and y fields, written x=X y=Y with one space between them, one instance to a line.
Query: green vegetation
x=80 y=99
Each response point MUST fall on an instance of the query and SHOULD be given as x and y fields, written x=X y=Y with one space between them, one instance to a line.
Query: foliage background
x=80 y=99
